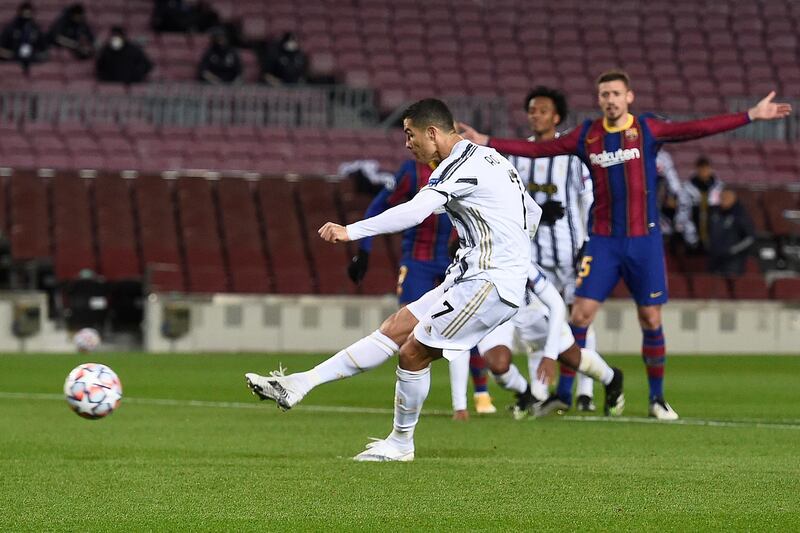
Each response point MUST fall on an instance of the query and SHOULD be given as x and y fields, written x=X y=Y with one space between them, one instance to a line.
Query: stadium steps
x=200 y=236
x=243 y=241
x=72 y=229
x=119 y=250
x=30 y=218
x=287 y=252
x=158 y=233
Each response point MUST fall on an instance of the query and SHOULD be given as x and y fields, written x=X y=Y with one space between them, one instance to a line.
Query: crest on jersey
x=631 y=134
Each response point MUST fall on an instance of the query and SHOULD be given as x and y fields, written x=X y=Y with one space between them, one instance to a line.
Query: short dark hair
x=615 y=75
x=558 y=98
x=430 y=112
x=702 y=161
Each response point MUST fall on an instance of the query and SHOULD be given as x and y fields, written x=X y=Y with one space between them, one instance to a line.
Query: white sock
x=594 y=366
x=539 y=389
x=512 y=380
x=585 y=385
x=591 y=338
x=365 y=354
x=409 y=395
x=459 y=375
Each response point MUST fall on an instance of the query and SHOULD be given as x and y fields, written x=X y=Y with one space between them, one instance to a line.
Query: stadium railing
x=189 y=105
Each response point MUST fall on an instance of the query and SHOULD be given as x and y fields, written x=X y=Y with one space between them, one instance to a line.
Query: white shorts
x=455 y=317
x=531 y=326
x=563 y=279
x=503 y=335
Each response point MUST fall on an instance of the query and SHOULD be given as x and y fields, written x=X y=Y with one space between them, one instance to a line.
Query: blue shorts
x=637 y=260
x=416 y=278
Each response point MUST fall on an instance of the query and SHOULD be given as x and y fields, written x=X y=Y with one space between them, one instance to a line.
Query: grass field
x=191 y=449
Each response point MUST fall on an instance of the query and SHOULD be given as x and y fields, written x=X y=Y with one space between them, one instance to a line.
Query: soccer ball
x=93 y=390
x=87 y=340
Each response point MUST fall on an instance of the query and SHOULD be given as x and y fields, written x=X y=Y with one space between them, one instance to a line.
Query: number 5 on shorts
x=586 y=266
x=447 y=309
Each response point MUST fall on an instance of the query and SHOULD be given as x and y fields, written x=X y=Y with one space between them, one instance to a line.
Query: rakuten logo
x=609 y=159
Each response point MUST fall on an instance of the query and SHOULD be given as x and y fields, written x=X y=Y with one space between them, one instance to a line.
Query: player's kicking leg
x=365 y=354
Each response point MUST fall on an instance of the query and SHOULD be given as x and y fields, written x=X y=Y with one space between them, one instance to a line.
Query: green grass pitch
x=191 y=450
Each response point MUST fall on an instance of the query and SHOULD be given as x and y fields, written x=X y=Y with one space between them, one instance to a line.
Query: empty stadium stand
x=250 y=226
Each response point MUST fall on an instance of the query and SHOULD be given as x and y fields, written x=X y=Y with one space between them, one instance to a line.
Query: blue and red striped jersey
x=622 y=163
x=429 y=240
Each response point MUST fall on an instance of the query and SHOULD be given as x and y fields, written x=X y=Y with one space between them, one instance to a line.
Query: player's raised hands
x=333 y=233
x=471 y=134
x=766 y=109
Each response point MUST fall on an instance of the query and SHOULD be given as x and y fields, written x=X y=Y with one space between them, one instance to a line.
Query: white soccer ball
x=87 y=340
x=93 y=390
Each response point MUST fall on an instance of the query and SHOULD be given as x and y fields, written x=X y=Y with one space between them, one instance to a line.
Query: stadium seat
x=710 y=286
x=678 y=286
x=750 y=287
x=786 y=289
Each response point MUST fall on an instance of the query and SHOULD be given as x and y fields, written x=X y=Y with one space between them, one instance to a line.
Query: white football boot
x=661 y=410
x=276 y=387
x=382 y=450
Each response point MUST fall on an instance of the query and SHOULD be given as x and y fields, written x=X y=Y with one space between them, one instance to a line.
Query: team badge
x=632 y=134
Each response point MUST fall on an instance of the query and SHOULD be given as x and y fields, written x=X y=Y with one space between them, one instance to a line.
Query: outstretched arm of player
x=396 y=219
x=565 y=144
x=766 y=109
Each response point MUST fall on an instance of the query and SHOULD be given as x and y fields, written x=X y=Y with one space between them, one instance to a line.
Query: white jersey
x=564 y=179
x=683 y=212
x=487 y=203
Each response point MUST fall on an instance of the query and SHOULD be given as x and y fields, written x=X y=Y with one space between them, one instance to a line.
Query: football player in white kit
x=493 y=215
x=541 y=326
x=561 y=186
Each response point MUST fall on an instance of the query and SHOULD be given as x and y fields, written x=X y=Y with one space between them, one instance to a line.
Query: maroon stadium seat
x=786 y=289
x=750 y=287
x=678 y=286
x=710 y=286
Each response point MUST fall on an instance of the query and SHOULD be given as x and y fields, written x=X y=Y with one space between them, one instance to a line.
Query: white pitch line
x=745 y=423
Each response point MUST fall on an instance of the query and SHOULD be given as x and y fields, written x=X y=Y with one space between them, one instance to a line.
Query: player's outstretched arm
x=396 y=219
x=565 y=144
x=766 y=109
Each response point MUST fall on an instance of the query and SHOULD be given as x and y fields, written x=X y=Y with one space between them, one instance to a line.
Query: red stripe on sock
x=566 y=371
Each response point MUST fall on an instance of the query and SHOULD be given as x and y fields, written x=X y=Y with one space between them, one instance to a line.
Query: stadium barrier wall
x=235 y=323
x=48 y=337
x=326 y=324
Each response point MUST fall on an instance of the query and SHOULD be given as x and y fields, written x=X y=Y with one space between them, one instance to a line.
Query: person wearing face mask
x=122 y=61
x=284 y=63
x=22 y=40
x=71 y=31
x=220 y=62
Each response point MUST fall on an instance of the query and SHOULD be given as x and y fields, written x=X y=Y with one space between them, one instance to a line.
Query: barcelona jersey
x=429 y=240
x=622 y=164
